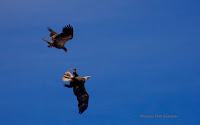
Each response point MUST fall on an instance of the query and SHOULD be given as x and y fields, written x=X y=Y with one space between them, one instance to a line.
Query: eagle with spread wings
x=78 y=84
x=59 y=40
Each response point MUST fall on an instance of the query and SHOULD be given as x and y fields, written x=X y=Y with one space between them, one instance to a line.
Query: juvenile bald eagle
x=78 y=84
x=59 y=40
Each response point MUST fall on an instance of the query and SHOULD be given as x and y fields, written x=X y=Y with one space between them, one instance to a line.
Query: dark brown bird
x=59 y=40
x=78 y=84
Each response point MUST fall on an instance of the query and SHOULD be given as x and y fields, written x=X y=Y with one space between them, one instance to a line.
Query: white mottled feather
x=67 y=76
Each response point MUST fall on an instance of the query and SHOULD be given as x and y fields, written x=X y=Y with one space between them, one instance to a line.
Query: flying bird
x=78 y=85
x=59 y=40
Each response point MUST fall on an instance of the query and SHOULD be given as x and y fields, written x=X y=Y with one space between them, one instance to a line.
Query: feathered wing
x=68 y=31
x=82 y=97
x=67 y=76
x=53 y=34
x=66 y=35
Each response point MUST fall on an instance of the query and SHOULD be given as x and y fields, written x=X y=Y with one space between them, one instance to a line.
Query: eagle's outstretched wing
x=67 y=31
x=82 y=97
x=66 y=35
x=53 y=34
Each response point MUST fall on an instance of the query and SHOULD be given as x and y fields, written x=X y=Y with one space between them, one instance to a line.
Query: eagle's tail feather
x=67 y=76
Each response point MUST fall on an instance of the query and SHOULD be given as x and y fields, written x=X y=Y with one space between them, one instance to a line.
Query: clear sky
x=143 y=56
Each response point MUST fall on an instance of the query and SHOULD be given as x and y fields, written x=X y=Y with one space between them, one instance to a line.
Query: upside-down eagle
x=59 y=40
x=78 y=84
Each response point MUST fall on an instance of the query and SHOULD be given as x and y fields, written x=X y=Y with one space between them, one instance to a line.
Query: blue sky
x=143 y=57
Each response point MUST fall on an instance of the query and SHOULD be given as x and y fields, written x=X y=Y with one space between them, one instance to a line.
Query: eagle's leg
x=65 y=49
x=49 y=42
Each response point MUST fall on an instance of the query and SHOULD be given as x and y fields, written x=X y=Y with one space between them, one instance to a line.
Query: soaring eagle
x=78 y=84
x=59 y=40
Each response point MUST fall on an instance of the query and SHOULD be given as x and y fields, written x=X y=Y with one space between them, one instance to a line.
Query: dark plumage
x=59 y=40
x=78 y=84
